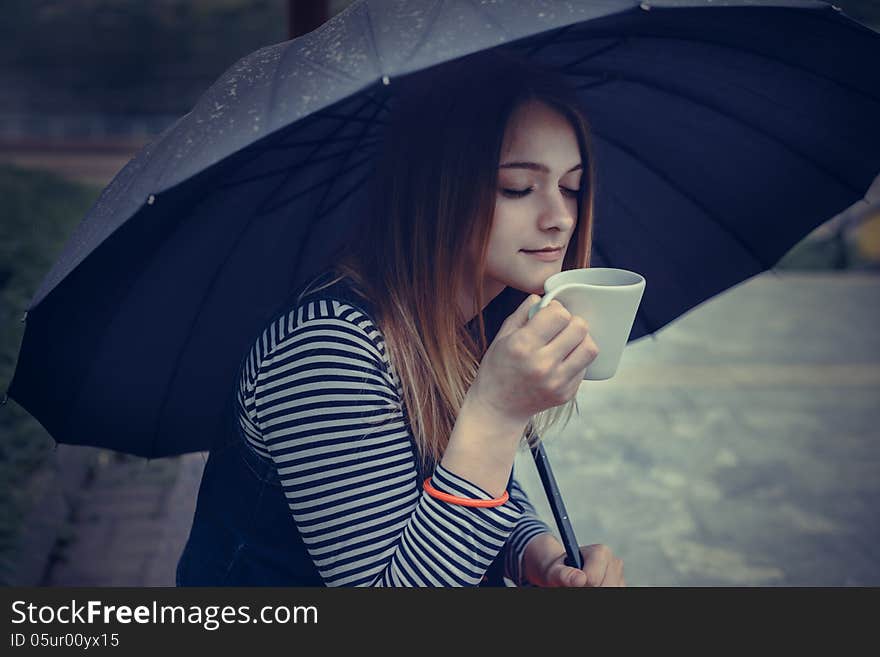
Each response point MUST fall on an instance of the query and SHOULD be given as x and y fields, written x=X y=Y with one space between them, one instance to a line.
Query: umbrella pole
x=554 y=497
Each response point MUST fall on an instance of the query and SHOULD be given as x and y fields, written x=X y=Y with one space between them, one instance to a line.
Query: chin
x=529 y=279
x=533 y=286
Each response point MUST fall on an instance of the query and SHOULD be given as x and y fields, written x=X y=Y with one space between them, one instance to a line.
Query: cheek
x=495 y=247
x=507 y=224
x=502 y=242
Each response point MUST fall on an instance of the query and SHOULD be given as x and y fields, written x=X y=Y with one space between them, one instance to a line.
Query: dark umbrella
x=724 y=133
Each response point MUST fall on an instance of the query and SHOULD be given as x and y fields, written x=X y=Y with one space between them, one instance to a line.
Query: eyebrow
x=535 y=166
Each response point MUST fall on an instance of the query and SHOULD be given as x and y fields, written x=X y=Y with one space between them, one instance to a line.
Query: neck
x=467 y=301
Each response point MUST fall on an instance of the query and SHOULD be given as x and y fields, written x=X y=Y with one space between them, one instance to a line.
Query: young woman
x=376 y=420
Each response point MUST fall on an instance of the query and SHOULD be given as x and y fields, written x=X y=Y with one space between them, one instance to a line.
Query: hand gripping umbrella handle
x=554 y=497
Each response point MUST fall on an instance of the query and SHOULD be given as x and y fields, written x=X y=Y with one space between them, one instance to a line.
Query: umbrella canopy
x=724 y=132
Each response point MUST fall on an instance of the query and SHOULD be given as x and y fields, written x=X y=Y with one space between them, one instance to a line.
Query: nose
x=558 y=212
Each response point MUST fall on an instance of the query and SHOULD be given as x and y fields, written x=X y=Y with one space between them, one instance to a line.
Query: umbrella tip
x=23 y=317
x=645 y=6
x=151 y=199
x=386 y=80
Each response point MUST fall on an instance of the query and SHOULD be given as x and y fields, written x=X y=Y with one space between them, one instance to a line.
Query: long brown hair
x=433 y=191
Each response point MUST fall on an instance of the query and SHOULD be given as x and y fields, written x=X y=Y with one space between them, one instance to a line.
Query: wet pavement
x=739 y=447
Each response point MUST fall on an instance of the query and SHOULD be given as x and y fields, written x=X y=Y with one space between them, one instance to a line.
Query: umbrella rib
x=268 y=204
x=666 y=179
x=330 y=141
x=346 y=194
x=273 y=91
x=308 y=159
x=371 y=39
x=648 y=325
x=637 y=220
x=616 y=43
x=645 y=82
x=603 y=79
x=433 y=12
x=320 y=212
x=581 y=36
x=370 y=97
x=552 y=37
x=266 y=145
x=267 y=207
x=603 y=253
x=284 y=169
x=342 y=169
x=268 y=109
x=329 y=69
x=257 y=149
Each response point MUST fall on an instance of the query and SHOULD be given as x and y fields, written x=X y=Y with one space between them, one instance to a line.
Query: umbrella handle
x=554 y=497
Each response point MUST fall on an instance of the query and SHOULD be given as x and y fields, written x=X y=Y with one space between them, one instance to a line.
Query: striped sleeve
x=319 y=398
x=527 y=527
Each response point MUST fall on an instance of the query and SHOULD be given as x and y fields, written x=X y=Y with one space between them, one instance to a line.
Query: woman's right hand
x=533 y=365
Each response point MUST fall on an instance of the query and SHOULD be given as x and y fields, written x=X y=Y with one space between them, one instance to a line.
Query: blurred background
x=729 y=451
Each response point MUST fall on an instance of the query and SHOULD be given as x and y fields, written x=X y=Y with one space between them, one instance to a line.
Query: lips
x=547 y=256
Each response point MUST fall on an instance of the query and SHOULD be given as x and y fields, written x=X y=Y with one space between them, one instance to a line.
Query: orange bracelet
x=462 y=501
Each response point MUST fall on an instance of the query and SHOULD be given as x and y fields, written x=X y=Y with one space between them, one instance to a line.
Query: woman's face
x=536 y=200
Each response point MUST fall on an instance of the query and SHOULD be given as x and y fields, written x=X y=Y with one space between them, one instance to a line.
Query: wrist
x=482 y=447
x=490 y=416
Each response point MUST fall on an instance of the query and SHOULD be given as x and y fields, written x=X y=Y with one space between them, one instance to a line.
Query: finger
x=577 y=578
x=567 y=340
x=614 y=573
x=549 y=321
x=519 y=317
x=579 y=358
x=562 y=575
x=595 y=566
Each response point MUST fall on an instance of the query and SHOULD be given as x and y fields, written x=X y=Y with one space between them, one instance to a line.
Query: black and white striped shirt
x=318 y=396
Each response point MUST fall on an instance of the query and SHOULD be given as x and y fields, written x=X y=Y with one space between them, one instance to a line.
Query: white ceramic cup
x=607 y=299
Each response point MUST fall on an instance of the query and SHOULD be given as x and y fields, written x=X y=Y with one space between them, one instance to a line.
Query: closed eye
x=519 y=193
